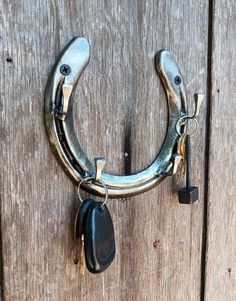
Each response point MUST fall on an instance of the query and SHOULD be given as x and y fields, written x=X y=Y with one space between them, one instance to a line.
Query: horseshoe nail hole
x=122 y=200
x=9 y=59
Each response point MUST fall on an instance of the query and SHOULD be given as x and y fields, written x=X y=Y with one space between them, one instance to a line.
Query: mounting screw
x=177 y=80
x=65 y=69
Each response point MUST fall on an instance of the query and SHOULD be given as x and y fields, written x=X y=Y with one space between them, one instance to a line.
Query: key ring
x=182 y=121
x=93 y=180
x=99 y=163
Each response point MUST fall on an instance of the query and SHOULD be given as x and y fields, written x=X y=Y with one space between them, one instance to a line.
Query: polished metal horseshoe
x=63 y=139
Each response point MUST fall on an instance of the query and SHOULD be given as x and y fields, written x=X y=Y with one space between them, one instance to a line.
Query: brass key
x=181 y=150
x=188 y=194
x=82 y=257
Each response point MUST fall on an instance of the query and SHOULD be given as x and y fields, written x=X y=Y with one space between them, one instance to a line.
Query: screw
x=65 y=69
x=177 y=80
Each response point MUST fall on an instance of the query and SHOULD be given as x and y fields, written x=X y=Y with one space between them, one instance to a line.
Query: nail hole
x=218 y=90
x=9 y=59
x=156 y=243
x=229 y=271
x=122 y=200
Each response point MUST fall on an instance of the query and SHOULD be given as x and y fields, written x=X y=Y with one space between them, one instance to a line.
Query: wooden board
x=221 y=226
x=120 y=114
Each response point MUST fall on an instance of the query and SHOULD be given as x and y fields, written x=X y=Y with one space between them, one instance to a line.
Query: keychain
x=187 y=194
x=93 y=224
x=94 y=227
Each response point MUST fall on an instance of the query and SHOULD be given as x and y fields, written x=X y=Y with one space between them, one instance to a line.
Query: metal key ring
x=182 y=121
x=92 y=179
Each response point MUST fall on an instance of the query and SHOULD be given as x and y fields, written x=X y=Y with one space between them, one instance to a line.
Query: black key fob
x=80 y=217
x=99 y=241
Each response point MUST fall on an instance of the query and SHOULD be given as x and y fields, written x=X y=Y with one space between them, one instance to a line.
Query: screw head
x=177 y=80
x=65 y=69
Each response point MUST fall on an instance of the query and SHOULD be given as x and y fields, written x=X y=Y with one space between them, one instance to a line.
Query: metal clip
x=198 y=102
x=99 y=165
x=66 y=92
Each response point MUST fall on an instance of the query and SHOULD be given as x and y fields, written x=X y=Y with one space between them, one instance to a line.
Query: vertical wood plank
x=121 y=114
x=220 y=282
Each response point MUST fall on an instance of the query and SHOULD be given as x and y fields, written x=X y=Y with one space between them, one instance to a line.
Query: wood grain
x=221 y=234
x=120 y=114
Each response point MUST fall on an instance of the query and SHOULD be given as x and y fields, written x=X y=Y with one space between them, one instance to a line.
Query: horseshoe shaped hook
x=62 y=136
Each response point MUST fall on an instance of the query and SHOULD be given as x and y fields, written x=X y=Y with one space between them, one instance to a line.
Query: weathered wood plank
x=121 y=114
x=221 y=246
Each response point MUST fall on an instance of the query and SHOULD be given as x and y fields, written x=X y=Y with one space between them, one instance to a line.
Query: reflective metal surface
x=63 y=139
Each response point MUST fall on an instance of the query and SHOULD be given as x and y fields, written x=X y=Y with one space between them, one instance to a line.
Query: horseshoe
x=62 y=136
